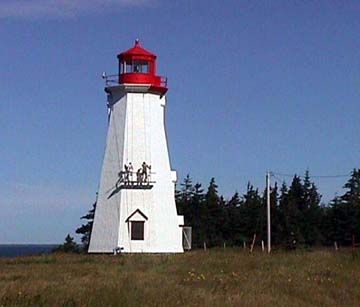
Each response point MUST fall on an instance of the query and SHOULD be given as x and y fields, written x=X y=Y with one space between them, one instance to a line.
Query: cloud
x=62 y=8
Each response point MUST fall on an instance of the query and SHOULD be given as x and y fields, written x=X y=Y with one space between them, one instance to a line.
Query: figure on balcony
x=139 y=176
x=130 y=169
x=126 y=174
x=145 y=169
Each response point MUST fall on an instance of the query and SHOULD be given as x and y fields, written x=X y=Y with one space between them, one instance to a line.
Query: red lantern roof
x=136 y=51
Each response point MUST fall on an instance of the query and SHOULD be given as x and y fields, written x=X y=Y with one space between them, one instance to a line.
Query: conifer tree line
x=299 y=218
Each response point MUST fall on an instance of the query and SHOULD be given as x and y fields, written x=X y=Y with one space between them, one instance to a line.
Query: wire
x=312 y=176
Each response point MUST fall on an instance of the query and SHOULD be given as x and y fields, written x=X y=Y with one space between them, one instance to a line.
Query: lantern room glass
x=142 y=67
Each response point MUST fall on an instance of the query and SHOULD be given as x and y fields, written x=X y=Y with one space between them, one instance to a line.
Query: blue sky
x=253 y=86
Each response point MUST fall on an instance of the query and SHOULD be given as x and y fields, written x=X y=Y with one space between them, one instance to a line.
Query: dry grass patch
x=217 y=278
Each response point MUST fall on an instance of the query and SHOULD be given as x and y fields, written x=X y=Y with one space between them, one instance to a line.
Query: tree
x=342 y=219
x=214 y=215
x=310 y=213
x=183 y=199
x=251 y=214
x=69 y=246
x=85 y=229
x=334 y=222
x=297 y=216
x=349 y=209
x=286 y=214
x=275 y=216
x=190 y=203
x=198 y=214
x=300 y=213
x=233 y=229
x=352 y=194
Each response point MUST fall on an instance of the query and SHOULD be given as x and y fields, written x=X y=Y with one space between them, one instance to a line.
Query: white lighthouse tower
x=136 y=209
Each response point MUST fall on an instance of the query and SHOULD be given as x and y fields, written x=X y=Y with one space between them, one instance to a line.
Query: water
x=15 y=250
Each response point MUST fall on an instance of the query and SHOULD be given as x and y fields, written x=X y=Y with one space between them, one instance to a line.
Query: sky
x=253 y=86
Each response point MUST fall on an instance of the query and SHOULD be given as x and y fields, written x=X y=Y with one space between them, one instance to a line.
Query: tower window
x=137 y=230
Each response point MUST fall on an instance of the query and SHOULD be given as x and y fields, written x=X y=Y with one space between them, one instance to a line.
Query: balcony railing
x=134 y=179
x=112 y=80
x=129 y=180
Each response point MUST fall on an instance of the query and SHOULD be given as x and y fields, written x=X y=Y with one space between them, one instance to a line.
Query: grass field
x=217 y=277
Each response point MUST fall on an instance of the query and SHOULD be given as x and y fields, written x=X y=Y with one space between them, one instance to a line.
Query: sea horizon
x=10 y=250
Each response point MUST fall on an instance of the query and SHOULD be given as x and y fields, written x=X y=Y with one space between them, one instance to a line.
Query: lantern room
x=138 y=66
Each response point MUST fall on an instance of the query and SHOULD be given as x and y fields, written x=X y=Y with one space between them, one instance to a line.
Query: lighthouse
x=136 y=210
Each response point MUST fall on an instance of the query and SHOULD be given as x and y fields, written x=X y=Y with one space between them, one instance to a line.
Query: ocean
x=15 y=250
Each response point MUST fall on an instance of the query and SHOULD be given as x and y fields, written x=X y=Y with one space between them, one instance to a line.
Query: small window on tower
x=137 y=230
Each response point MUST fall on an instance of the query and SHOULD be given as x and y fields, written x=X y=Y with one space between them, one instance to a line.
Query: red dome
x=136 y=51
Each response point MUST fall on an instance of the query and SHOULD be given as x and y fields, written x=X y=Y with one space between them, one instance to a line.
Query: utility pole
x=268 y=174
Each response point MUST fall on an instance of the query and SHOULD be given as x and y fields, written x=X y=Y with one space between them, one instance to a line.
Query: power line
x=312 y=176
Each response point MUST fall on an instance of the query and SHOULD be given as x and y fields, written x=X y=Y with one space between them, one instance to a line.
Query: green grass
x=214 y=278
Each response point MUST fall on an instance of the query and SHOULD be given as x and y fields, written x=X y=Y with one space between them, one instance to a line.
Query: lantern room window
x=134 y=67
x=141 y=67
x=128 y=68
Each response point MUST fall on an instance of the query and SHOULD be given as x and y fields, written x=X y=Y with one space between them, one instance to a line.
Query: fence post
x=253 y=243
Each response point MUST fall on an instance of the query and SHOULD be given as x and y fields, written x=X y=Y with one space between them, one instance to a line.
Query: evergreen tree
x=352 y=194
x=297 y=216
x=310 y=213
x=351 y=208
x=184 y=198
x=69 y=246
x=85 y=229
x=198 y=221
x=190 y=203
x=252 y=213
x=334 y=223
x=187 y=189
x=287 y=235
x=275 y=216
x=214 y=215
x=233 y=233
